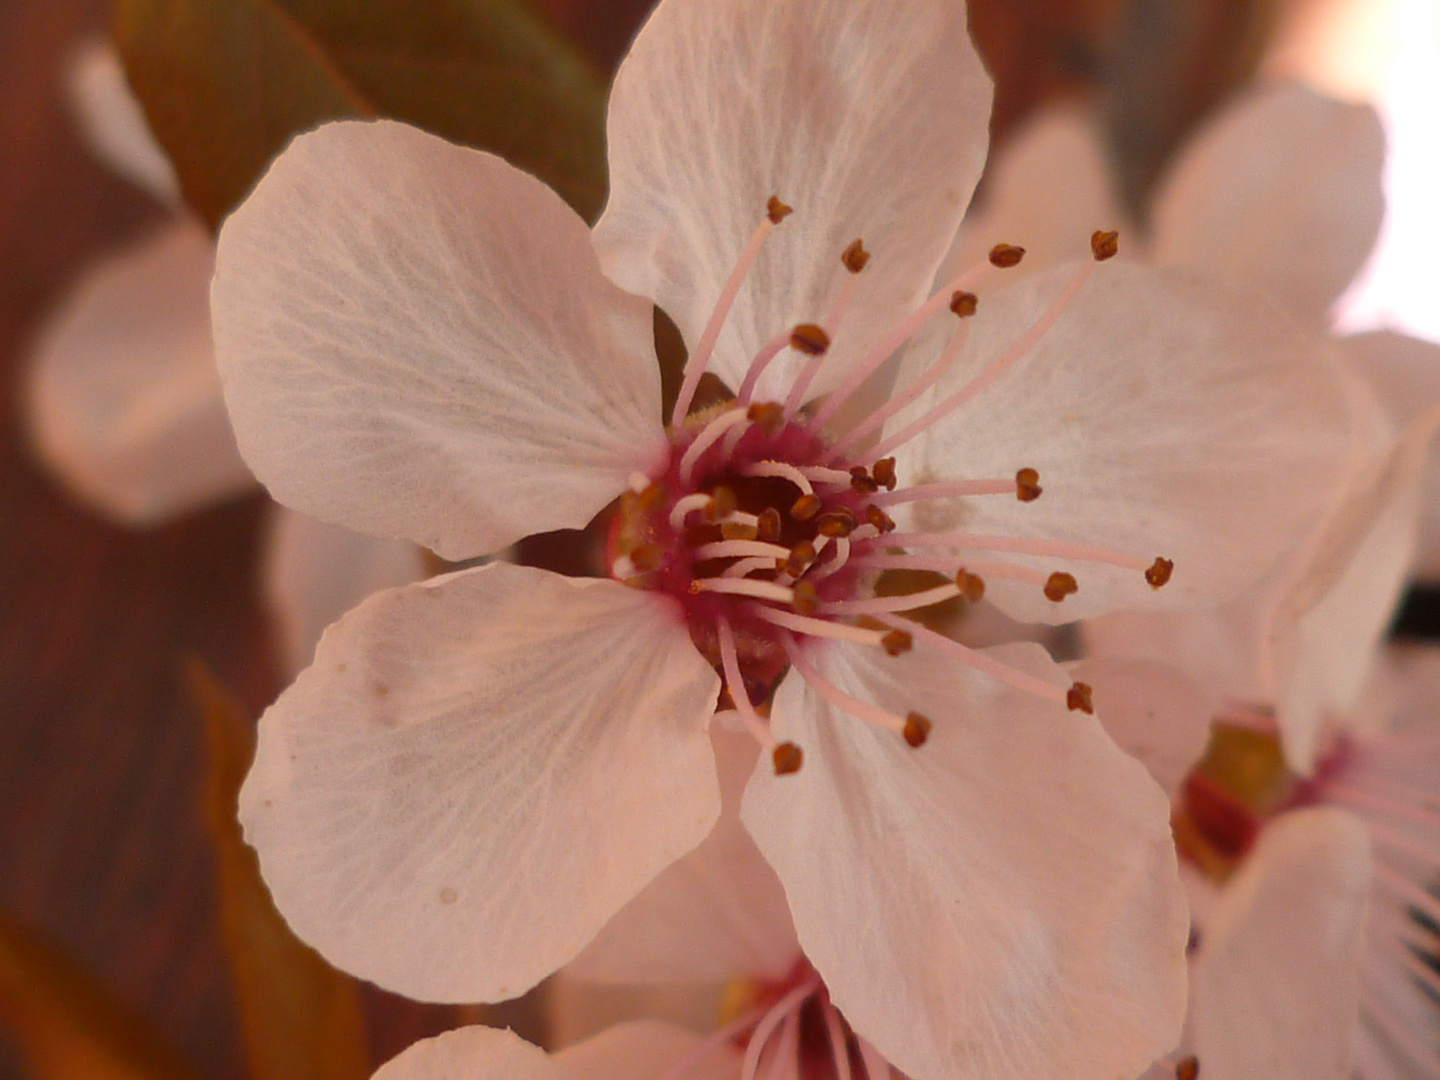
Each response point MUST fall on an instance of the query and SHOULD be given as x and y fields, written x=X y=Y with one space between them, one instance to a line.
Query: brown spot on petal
x=768 y=527
x=971 y=586
x=1187 y=1068
x=1027 y=485
x=897 y=642
x=776 y=210
x=855 y=256
x=1159 y=572
x=448 y=895
x=805 y=507
x=1078 y=699
x=1006 y=255
x=809 y=339
x=1104 y=244
x=964 y=303
x=1060 y=585
x=787 y=758
x=917 y=729
x=884 y=473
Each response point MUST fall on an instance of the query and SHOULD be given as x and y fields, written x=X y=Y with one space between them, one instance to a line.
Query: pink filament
x=863 y=710
x=977 y=660
x=1017 y=545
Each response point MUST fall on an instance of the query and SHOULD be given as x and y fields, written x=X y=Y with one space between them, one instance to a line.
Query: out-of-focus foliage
x=227 y=83
x=301 y=1018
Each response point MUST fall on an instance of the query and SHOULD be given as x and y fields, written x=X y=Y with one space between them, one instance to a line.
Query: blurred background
x=104 y=848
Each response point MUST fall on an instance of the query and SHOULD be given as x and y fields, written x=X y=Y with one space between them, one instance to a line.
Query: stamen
x=787 y=758
x=1159 y=572
x=806 y=507
x=810 y=339
x=876 y=1067
x=822 y=475
x=897 y=642
x=734 y=549
x=977 y=660
x=768 y=525
x=839 y=1048
x=747 y=566
x=841 y=522
x=1027 y=485
x=1021 y=346
x=706 y=439
x=776 y=212
x=945 y=490
x=760 y=590
x=882 y=604
x=884 y=473
x=862 y=710
x=964 y=304
x=767 y=1025
x=1187 y=1068
x=722 y=504
x=686 y=506
x=862 y=482
x=803 y=624
x=1104 y=245
x=735 y=684
x=1004 y=256
x=768 y=414
x=855 y=257
x=842 y=556
x=953 y=566
x=773 y=348
x=1079 y=698
x=807 y=599
x=1060 y=585
x=917 y=729
x=713 y=1042
x=1018 y=545
x=737 y=528
x=971 y=586
x=783 y=469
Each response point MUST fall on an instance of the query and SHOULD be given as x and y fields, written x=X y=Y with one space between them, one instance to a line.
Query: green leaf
x=67 y=1024
x=227 y=83
x=302 y=1019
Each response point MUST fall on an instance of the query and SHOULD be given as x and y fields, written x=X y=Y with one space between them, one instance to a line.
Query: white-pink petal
x=472 y=1053
x=869 y=117
x=1002 y=901
x=1275 y=987
x=1280 y=194
x=477 y=772
x=123 y=399
x=417 y=342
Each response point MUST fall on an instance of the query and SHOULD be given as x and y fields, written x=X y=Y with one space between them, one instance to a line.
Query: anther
x=739 y=530
x=964 y=303
x=805 y=507
x=646 y=557
x=917 y=729
x=1159 y=572
x=1104 y=244
x=1078 y=699
x=806 y=600
x=855 y=256
x=1005 y=256
x=1060 y=585
x=721 y=505
x=861 y=481
x=651 y=498
x=770 y=415
x=767 y=525
x=971 y=586
x=897 y=642
x=801 y=556
x=809 y=339
x=1027 y=485
x=1187 y=1068
x=776 y=210
x=882 y=521
x=839 y=522
x=787 y=758
x=884 y=473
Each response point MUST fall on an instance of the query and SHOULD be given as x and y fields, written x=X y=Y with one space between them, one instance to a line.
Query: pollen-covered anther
x=1187 y=1068
x=917 y=729
x=646 y=557
x=1027 y=485
x=836 y=523
x=971 y=586
x=806 y=600
x=897 y=642
x=1060 y=585
x=770 y=415
x=805 y=507
x=739 y=530
x=776 y=210
x=767 y=525
x=1005 y=256
x=799 y=559
x=882 y=521
x=721 y=505
x=862 y=481
x=809 y=339
x=964 y=304
x=855 y=256
x=1159 y=572
x=1104 y=244
x=884 y=473
x=787 y=758
x=1078 y=698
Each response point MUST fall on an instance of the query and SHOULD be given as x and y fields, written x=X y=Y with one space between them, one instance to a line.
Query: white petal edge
x=1003 y=901
x=123 y=400
x=1159 y=411
x=1275 y=987
x=869 y=117
x=113 y=122
x=1280 y=193
x=477 y=772
x=472 y=1053
x=313 y=573
x=718 y=913
x=417 y=342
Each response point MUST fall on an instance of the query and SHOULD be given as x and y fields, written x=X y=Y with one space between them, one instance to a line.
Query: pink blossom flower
x=479 y=771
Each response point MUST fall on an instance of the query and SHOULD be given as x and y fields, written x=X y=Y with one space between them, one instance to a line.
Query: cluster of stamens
x=769 y=532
